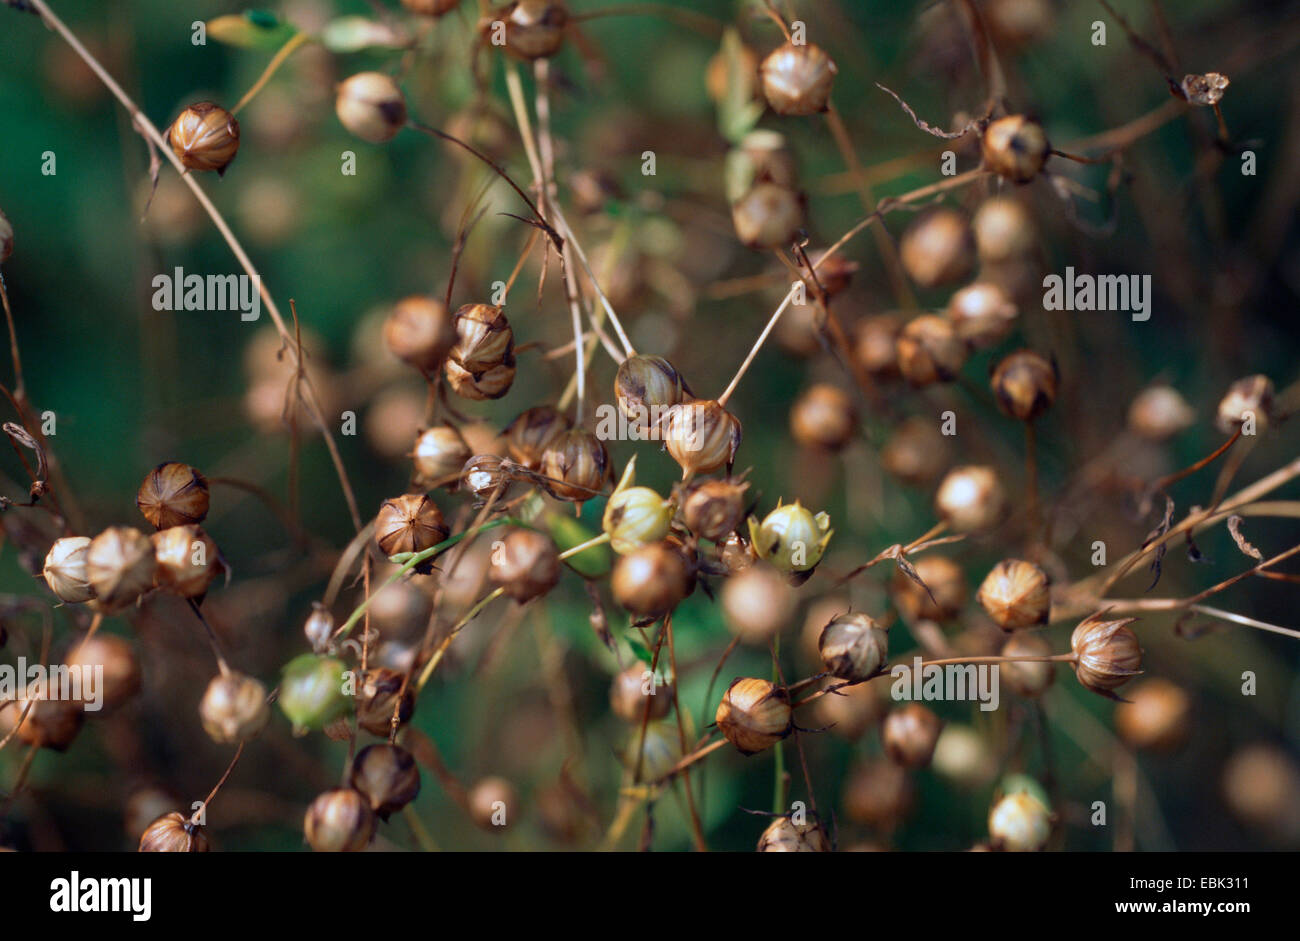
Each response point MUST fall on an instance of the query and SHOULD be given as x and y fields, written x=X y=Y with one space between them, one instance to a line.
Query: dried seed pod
x=736 y=554
x=797 y=79
x=964 y=756
x=652 y=756
x=1003 y=229
x=635 y=516
x=1024 y=385
x=1157 y=715
x=754 y=714
x=1020 y=823
x=938 y=247
x=205 y=136
x=526 y=565
x=431 y=7
x=311 y=692
x=651 y=580
x=947 y=584
x=188 y=560
x=783 y=835
x=702 y=436
x=120 y=566
x=1160 y=412
x=1015 y=594
x=791 y=537
x=534 y=29
x=646 y=387
x=532 y=432
x=371 y=106
x=234 y=708
x=875 y=344
x=1107 y=653
x=6 y=239
x=49 y=723
x=386 y=776
x=339 y=821
x=982 y=314
x=577 y=465
x=173 y=833
x=852 y=711
x=493 y=803
x=440 y=453
x=916 y=453
x=970 y=498
x=1028 y=678
x=483 y=337
x=636 y=691
x=714 y=508
x=65 y=569
x=763 y=156
x=419 y=332
x=823 y=417
x=835 y=274
x=173 y=494
x=384 y=693
x=1260 y=786
x=929 y=351
x=115 y=658
x=757 y=603
x=910 y=734
x=768 y=216
x=853 y=646
x=409 y=523
x=1247 y=400
x=319 y=628
x=1015 y=148
x=878 y=793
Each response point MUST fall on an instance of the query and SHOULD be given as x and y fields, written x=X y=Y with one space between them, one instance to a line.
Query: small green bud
x=311 y=692
x=791 y=537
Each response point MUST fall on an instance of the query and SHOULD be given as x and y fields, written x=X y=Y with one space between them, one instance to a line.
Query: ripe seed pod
x=492 y=803
x=757 y=603
x=1015 y=594
x=65 y=569
x=1157 y=716
x=319 y=628
x=835 y=274
x=763 y=156
x=1250 y=396
x=120 y=566
x=485 y=473
x=929 y=351
x=1020 y=823
x=386 y=776
x=938 y=247
x=482 y=363
x=419 y=332
x=339 y=821
x=116 y=658
x=1003 y=230
x=702 y=436
x=754 y=714
x=205 y=136
x=797 y=79
x=1260 y=783
x=736 y=554
x=853 y=711
x=875 y=344
x=878 y=793
x=526 y=565
x=577 y=465
x=982 y=314
x=823 y=417
x=6 y=238
x=635 y=516
x=431 y=7
x=713 y=508
x=1028 y=678
x=768 y=216
x=371 y=106
x=234 y=708
x=173 y=833
x=654 y=754
x=651 y=580
x=646 y=387
x=853 y=646
x=532 y=432
x=783 y=835
x=946 y=581
x=636 y=690
x=1024 y=385
x=1160 y=412
x=311 y=692
x=173 y=494
x=1108 y=654
x=970 y=498
x=409 y=523
x=916 y=453
x=910 y=734
x=440 y=453
x=534 y=29
x=378 y=701
x=50 y=723
x=188 y=560
x=1015 y=148
x=791 y=537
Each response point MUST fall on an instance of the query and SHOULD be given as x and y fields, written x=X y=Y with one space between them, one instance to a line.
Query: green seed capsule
x=311 y=692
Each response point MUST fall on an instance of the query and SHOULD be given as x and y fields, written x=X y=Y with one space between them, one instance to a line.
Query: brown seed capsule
x=916 y=453
x=1015 y=148
x=371 y=106
x=736 y=554
x=339 y=821
x=1015 y=594
x=929 y=351
x=173 y=494
x=653 y=752
x=910 y=734
x=481 y=365
x=938 y=247
x=65 y=569
x=783 y=835
x=1020 y=823
x=532 y=432
x=702 y=436
x=947 y=584
x=763 y=157
x=878 y=793
x=650 y=581
x=754 y=714
x=636 y=691
x=1160 y=412
x=384 y=693
x=1003 y=230
x=116 y=658
x=714 y=508
x=409 y=523
x=173 y=833
x=768 y=216
x=485 y=474
x=970 y=498
x=534 y=29
x=205 y=137
x=188 y=560
x=526 y=565
x=853 y=646
x=757 y=603
x=419 y=332
x=1107 y=652
x=797 y=79
x=1260 y=786
x=1249 y=399
x=319 y=627
x=646 y=387
x=493 y=804
x=439 y=455
x=1024 y=385
x=386 y=776
x=875 y=344
x=49 y=723
x=982 y=314
x=431 y=7
x=6 y=239
x=823 y=417
x=835 y=274
x=577 y=465
x=234 y=708
x=1157 y=715
x=1028 y=678
x=120 y=565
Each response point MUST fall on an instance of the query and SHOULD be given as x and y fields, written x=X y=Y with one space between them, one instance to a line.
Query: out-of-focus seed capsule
x=409 y=523
x=371 y=106
x=909 y=735
x=651 y=580
x=1261 y=786
x=635 y=516
x=878 y=793
x=419 y=332
x=636 y=691
x=797 y=79
x=853 y=646
x=1020 y=823
x=1160 y=412
x=702 y=436
x=311 y=692
x=493 y=804
x=654 y=754
x=1015 y=148
x=964 y=756
x=1248 y=400
x=757 y=603
x=1157 y=715
x=120 y=667
x=982 y=314
x=386 y=776
x=205 y=136
x=970 y=498
x=875 y=344
x=1024 y=385
x=713 y=509
x=768 y=216
x=533 y=29
x=784 y=835
x=188 y=560
x=65 y=569
x=439 y=454
x=526 y=565
x=50 y=723
x=6 y=239
x=938 y=247
x=173 y=494
x=577 y=465
x=532 y=432
x=917 y=452
x=173 y=833
x=852 y=711
x=944 y=600
x=339 y=821
x=929 y=351
x=319 y=628
x=1016 y=594
x=791 y=537
x=234 y=708
x=646 y=387
x=823 y=417
x=1028 y=678
x=754 y=714
x=384 y=695
x=1004 y=230
x=736 y=554
x=120 y=565
x=1108 y=654
x=431 y=7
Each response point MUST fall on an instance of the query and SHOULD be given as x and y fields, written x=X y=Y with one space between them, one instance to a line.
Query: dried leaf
x=1234 y=527
x=1157 y=533
x=908 y=569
